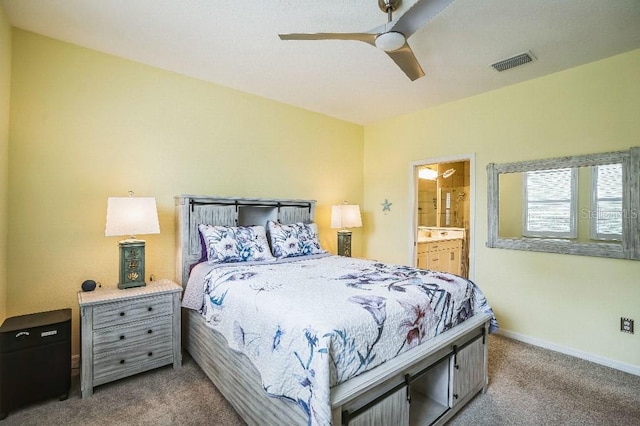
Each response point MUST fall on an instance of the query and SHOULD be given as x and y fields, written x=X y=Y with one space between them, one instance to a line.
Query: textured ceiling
x=236 y=44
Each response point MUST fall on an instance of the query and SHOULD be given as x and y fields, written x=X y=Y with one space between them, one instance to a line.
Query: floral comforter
x=310 y=323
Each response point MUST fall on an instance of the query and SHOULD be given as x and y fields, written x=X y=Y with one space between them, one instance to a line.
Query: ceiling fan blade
x=418 y=15
x=407 y=62
x=365 y=37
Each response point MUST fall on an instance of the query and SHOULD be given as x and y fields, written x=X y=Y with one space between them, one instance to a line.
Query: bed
x=347 y=357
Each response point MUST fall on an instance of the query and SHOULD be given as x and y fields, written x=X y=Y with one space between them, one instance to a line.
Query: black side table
x=35 y=359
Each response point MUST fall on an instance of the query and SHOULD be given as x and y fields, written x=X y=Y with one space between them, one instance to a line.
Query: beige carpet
x=528 y=386
x=533 y=386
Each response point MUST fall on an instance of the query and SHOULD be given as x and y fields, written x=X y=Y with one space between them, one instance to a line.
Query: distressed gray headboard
x=192 y=210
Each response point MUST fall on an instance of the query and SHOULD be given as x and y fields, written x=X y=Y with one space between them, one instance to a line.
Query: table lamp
x=131 y=216
x=345 y=216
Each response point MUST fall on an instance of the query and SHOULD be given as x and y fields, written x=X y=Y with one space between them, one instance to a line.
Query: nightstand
x=125 y=332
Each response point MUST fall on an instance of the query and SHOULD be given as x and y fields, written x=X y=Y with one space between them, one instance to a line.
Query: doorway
x=443 y=214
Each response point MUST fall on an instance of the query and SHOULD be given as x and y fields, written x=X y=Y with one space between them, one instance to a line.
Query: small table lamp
x=131 y=216
x=345 y=216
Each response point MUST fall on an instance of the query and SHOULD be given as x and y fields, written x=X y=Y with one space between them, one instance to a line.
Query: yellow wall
x=86 y=126
x=570 y=301
x=5 y=91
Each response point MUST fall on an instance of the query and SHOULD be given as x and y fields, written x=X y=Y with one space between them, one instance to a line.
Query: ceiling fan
x=392 y=36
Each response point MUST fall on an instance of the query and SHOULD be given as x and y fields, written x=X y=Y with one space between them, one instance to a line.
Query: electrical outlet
x=626 y=325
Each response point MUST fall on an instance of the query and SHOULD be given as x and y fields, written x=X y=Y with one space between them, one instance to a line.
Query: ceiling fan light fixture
x=390 y=41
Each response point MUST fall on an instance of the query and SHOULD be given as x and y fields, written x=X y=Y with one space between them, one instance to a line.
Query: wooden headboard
x=192 y=210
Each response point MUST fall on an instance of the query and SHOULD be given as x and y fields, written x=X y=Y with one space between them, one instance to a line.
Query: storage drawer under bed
x=428 y=393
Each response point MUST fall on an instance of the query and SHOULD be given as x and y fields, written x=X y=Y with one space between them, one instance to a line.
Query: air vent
x=514 y=61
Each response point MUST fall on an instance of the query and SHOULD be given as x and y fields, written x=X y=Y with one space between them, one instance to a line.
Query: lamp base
x=344 y=243
x=131 y=264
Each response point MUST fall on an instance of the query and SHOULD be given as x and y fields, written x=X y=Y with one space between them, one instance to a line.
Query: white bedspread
x=311 y=323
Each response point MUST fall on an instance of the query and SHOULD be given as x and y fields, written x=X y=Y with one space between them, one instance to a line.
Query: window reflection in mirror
x=582 y=203
x=606 y=213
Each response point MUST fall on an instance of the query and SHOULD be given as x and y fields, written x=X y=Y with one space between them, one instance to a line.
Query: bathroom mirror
x=585 y=205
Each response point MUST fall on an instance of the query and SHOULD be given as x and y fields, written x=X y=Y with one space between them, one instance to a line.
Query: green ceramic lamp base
x=131 y=264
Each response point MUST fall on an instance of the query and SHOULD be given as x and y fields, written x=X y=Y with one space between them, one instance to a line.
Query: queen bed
x=292 y=335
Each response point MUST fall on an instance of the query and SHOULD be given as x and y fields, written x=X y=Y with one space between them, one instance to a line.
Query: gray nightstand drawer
x=114 y=314
x=140 y=358
x=118 y=338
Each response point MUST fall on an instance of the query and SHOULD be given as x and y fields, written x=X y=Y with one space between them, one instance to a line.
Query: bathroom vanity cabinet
x=441 y=255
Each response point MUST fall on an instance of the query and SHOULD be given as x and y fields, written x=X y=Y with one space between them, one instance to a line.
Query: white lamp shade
x=346 y=216
x=131 y=216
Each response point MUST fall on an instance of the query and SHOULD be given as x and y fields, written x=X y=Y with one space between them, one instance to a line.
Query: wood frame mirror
x=627 y=245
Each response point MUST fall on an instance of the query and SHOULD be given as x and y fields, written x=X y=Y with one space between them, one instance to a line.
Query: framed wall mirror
x=585 y=205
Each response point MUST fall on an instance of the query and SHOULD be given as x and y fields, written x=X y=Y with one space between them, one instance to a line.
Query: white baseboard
x=627 y=368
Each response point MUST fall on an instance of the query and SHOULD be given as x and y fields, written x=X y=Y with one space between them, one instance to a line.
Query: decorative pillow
x=292 y=240
x=235 y=243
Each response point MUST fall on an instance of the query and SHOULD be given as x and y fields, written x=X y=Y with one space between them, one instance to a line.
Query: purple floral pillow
x=225 y=244
x=297 y=239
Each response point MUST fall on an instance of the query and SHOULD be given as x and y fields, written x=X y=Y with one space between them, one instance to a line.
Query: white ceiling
x=236 y=44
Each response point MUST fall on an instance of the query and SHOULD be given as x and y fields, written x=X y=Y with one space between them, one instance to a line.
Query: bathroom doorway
x=442 y=217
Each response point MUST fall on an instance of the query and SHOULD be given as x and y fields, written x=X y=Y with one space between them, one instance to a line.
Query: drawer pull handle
x=122 y=361
x=150 y=309
x=150 y=354
x=455 y=395
x=121 y=314
x=121 y=337
x=149 y=331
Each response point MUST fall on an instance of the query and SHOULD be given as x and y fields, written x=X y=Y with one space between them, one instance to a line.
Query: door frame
x=413 y=202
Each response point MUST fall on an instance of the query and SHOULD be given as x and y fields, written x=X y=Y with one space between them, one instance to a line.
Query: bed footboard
x=426 y=385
